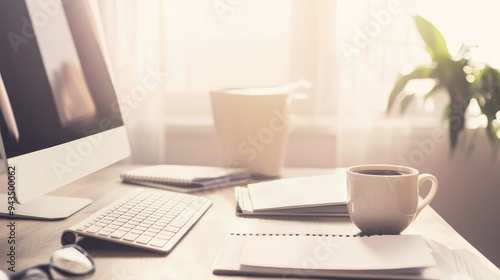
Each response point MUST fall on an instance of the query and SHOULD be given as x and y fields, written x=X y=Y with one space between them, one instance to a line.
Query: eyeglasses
x=69 y=261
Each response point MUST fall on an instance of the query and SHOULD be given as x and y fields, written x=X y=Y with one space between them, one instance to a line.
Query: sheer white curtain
x=167 y=55
x=376 y=41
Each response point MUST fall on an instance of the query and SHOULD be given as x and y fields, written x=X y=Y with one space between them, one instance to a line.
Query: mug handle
x=421 y=179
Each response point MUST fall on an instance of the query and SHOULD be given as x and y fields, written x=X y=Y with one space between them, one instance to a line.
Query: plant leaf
x=421 y=72
x=471 y=142
x=405 y=102
x=487 y=86
x=434 y=40
x=457 y=122
x=433 y=91
x=491 y=132
x=446 y=112
x=464 y=49
x=459 y=101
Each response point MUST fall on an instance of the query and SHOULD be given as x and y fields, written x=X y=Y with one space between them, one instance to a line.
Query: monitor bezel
x=43 y=171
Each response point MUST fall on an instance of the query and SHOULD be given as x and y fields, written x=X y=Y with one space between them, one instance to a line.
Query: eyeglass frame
x=45 y=268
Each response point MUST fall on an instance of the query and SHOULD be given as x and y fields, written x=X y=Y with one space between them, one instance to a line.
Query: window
x=167 y=55
x=378 y=39
x=201 y=45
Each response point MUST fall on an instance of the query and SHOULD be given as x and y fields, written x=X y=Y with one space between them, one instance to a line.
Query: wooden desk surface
x=192 y=258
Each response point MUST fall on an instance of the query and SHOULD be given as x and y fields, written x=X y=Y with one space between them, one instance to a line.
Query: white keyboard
x=152 y=219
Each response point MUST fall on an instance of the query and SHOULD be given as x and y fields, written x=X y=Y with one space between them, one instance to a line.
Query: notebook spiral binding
x=301 y=234
x=160 y=180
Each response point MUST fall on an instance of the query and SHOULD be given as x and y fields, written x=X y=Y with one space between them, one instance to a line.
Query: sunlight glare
x=470 y=23
x=467 y=69
x=420 y=87
x=474 y=108
x=480 y=121
x=429 y=105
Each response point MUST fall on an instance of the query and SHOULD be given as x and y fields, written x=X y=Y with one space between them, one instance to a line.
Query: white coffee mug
x=252 y=128
x=384 y=199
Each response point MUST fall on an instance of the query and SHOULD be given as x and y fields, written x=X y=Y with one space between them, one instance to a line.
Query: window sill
x=299 y=125
x=325 y=125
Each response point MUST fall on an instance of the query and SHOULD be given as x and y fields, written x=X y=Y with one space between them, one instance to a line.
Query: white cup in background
x=384 y=199
x=252 y=128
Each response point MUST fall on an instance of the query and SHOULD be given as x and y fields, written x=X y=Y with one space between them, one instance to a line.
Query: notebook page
x=396 y=252
x=299 y=192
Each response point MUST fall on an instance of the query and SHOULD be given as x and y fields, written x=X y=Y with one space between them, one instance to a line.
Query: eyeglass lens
x=71 y=260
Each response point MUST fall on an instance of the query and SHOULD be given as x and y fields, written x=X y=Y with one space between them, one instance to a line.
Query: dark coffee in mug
x=381 y=172
x=384 y=199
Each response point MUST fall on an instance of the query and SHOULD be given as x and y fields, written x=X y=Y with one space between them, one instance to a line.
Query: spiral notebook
x=327 y=256
x=186 y=178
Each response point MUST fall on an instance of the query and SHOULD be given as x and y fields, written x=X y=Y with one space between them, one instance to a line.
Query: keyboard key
x=129 y=226
x=156 y=226
x=105 y=232
x=166 y=234
x=112 y=227
x=140 y=227
x=164 y=237
x=150 y=233
x=158 y=242
x=171 y=228
x=93 y=229
x=144 y=239
x=180 y=220
x=161 y=224
x=136 y=231
x=154 y=230
x=118 y=223
x=166 y=220
x=118 y=234
x=82 y=228
x=130 y=236
x=101 y=224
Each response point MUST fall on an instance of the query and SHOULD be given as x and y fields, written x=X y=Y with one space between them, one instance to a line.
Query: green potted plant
x=460 y=78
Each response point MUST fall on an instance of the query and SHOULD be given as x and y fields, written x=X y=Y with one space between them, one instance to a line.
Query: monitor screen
x=59 y=118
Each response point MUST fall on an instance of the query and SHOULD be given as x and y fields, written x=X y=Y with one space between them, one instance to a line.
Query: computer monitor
x=60 y=118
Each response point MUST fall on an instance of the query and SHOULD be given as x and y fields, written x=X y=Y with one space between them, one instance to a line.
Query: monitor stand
x=46 y=207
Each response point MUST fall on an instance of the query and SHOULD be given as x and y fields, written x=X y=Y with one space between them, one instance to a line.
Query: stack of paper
x=323 y=195
x=381 y=257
